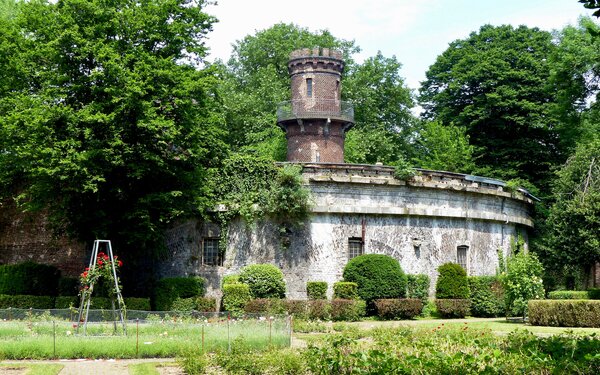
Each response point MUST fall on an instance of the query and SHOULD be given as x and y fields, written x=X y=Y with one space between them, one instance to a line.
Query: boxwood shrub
x=348 y=310
x=206 y=304
x=398 y=308
x=377 y=275
x=568 y=294
x=137 y=303
x=487 y=296
x=264 y=280
x=452 y=308
x=452 y=282
x=345 y=290
x=316 y=289
x=26 y=302
x=171 y=288
x=564 y=313
x=235 y=298
x=29 y=278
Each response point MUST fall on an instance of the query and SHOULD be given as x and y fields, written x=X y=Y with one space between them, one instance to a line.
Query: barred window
x=461 y=256
x=210 y=252
x=355 y=247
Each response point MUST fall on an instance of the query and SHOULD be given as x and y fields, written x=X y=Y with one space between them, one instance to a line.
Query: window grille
x=210 y=252
x=309 y=87
x=355 y=247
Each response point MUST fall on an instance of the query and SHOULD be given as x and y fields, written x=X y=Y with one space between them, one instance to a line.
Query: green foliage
x=255 y=188
x=29 y=278
x=235 y=298
x=114 y=124
x=564 y=313
x=348 y=310
x=26 y=302
x=65 y=302
x=264 y=280
x=486 y=296
x=206 y=304
x=230 y=279
x=452 y=308
x=594 y=293
x=575 y=216
x=316 y=289
x=167 y=290
x=522 y=282
x=377 y=275
x=568 y=294
x=417 y=286
x=319 y=309
x=396 y=309
x=137 y=303
x=403 y=170
x=183 y=306
x=345 y=290
x=496 y=85
x=452 y=282
x=444 y=148
x=268 y=306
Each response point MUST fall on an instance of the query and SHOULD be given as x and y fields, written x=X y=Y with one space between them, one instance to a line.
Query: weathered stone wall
x=28 y=237
x=435 y=212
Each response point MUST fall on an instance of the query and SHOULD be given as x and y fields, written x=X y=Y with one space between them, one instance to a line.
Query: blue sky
x=416 y=32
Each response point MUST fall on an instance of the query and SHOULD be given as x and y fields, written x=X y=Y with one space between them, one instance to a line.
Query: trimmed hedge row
x=392 y=309
x=235 y=297
x=316 y=289
x=345 y=290
x=568 y=294
x=65 y=302
x=29 y=278
x=452 y=308
x=564 y=313
x=321 y=309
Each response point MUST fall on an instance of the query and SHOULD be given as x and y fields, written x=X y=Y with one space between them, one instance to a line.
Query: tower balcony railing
x=312 y=108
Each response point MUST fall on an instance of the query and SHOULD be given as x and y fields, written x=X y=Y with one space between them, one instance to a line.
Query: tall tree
x=496 y=84
x=444 y=148
x=113 y=126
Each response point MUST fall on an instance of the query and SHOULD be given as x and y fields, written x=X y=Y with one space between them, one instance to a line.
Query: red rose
x=120 y=263
x=84 y=275
x=100 y=262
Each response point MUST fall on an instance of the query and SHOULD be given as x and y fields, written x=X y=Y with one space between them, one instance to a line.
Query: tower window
x=355 y=247
x=309 y=87
x=461 y=256
x=417 y=249
x=210 y=252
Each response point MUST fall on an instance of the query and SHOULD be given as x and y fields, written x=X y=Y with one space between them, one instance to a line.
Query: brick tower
x=315 y=121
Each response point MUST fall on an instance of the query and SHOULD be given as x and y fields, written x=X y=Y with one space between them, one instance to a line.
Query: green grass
x=148 y=368
x=35 y=369
x=23 y=340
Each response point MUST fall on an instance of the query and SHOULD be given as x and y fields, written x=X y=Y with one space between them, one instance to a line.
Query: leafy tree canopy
x=496 y=85
x=106 y=119
x=444 y=148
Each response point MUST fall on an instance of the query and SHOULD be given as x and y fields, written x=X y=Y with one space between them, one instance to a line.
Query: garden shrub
x=206 y=304
x=398 y=308
x=568 y=294
x=230 y=279
x=452 y=308
x=171 y=288
x=377 y=275
x=349 y=310
x=417 y=286
x=65 y=302
x=593 y=293
x=452 y=282
x=264 y=280
x=319 y=309
x=345 y=290
x=564 y=313
x=316 y=289
x=183 y=305
x=522 y=282
x=235 y=297
x=487 y=296
x=26 y=302
x=137 y=303
x=29 y=278
x=68 y=286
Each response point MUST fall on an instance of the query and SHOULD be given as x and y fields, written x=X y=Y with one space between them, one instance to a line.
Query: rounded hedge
x=264 y=280
x=452 y=282
x=377 y=276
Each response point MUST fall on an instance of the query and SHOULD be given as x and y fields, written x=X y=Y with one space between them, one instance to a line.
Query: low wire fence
x=38 y=334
